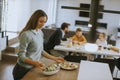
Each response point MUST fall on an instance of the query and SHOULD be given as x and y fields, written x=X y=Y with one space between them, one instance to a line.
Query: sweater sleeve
x=24 y=42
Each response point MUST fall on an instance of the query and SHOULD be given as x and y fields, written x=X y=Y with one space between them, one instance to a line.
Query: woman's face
x=41 y=22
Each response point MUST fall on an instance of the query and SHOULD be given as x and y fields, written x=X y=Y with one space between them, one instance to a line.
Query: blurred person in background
x=55 y=39
x=78 y=38
x=101 y=42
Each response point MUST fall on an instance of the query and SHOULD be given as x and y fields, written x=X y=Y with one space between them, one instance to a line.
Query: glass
x=99 y=47
x=104 y=47
x=108 y=48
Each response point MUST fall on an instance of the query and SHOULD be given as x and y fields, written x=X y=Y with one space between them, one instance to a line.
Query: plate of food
x=68 y=66
x=51 y=69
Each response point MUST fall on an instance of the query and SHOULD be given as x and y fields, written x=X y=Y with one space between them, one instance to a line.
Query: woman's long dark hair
x=32 y=23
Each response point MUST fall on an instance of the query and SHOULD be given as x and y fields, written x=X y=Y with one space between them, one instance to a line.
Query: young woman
x=31 y=46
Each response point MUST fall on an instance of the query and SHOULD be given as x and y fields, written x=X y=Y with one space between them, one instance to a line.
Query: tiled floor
x=6 y=70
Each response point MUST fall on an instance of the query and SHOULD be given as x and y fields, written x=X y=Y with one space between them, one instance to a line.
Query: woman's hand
x=59 y=59
x=38 y=64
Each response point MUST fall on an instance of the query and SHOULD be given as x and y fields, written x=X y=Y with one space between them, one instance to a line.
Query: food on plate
x=52 y=67
x=114 y=49
x=50 y=70
x=68 y=65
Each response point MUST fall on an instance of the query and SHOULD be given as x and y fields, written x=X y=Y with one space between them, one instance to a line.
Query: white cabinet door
x=2 y=43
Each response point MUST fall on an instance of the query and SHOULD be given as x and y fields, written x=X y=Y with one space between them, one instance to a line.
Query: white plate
x=50 y=72
x=68 y=66
x=51 y=69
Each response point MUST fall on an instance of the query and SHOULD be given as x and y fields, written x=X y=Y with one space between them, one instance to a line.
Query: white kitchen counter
x=94 y=71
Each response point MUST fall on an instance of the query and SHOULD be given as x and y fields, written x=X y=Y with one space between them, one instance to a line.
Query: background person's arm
x=83 y=40
x=57 y=59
